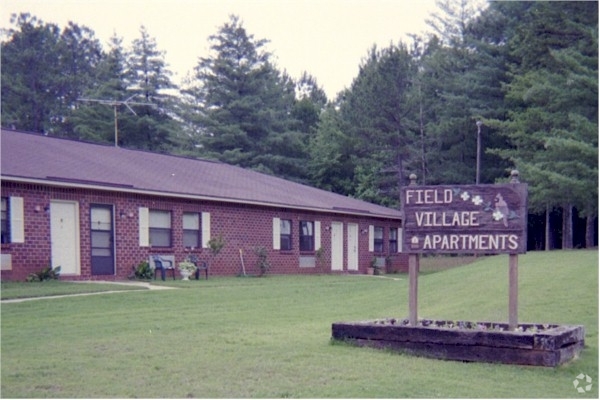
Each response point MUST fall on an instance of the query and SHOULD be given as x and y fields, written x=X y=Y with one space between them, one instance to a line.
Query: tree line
x=521 y=76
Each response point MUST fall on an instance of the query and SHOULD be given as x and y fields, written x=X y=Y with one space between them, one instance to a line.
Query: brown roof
x=37 y=158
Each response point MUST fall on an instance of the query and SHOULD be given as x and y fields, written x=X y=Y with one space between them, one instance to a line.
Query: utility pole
x=115 y=104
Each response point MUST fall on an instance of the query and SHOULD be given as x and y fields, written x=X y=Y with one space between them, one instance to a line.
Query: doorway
x=64 y=236
x=102 y=240
x=352 y=247
x=337 y=246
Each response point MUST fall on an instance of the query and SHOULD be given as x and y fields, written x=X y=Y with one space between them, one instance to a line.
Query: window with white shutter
x=160 y=228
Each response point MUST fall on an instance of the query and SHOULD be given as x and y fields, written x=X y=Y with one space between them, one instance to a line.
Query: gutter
x=109 y=187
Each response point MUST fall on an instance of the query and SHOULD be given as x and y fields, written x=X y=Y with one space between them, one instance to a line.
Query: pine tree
x=29 y=74
x=461 y=70
x=149 y=83
x=79 y=57
x=379 y=111
x=44 y=72
x=553 y=118
x=245 y=110
x=332 y=162
x=95 y=118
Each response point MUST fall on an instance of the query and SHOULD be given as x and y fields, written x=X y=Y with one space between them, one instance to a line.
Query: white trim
x=144 y=226
x=317 y=235
x=371 y=238
x=205 y=229
x=276 y=233
x=17 y=220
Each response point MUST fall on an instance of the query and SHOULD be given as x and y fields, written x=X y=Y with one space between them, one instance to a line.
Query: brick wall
x=244 y=227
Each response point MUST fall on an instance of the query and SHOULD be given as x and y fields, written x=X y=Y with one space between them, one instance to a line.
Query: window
x=307 y=238
x=285 y=234
x=5 y=226
x=160 y=228
x=101 y=230
x=378 y=240
x=191 y=230
x=393 y=240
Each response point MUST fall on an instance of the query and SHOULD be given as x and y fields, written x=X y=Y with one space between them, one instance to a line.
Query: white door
x=352 y=247
x=64 y=235
x=337 y=246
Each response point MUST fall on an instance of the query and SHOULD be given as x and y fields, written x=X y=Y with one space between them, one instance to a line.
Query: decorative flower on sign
x=497 y=215
x=498 y=207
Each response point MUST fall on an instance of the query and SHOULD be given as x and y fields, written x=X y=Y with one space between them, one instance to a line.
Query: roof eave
x=133 y=190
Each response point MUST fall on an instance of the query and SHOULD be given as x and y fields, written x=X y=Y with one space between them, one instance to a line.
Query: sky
x=326 y=38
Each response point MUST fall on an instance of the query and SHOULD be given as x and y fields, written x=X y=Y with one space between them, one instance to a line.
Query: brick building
x=99 y=210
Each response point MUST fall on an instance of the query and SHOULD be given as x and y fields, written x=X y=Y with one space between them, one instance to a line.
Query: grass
x=19 y=290
x=270 y=337
x=432 y=264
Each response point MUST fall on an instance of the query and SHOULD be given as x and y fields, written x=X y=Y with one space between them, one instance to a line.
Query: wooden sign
x=473 y=219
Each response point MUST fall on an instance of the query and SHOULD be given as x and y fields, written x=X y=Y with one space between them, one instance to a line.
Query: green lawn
x=18 y=290
x=270 y=337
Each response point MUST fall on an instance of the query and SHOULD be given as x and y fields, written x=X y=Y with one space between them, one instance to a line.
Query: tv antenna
x=116 y=103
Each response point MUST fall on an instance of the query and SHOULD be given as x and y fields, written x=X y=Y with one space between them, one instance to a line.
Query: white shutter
x=371 y=238
x=144 y=226
x=317 y=235
x=400 y=242
x=205 y=229
x=276 y=233
x=17 y=221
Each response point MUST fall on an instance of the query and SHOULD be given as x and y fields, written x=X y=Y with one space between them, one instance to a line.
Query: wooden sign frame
x=471 y=219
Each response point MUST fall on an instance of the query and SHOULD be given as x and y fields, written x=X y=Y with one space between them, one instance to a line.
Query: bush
x=262 y=263
x=143 y=271
x=45 y=274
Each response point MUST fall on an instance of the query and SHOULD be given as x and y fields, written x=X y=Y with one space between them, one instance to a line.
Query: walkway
x=146 y=285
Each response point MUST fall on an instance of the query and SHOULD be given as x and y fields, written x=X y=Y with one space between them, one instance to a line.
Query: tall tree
x=44 y=71
x=98 y=116
x=461 y=71
x=332 y=155
x=149 y=82
x=379 y=111
x=29 y=73
x=310 y=102
x=80 y=53
x=246 y=105
x=450 y=21
x=553 y=100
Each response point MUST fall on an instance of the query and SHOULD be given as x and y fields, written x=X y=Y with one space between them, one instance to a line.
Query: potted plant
x=376 y=266
x=186 y=269
x=371 y=267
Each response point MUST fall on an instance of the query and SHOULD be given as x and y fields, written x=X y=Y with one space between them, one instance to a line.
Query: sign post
x=413 y=277
x=513 y=277
x=469 y=219
x=513 y=291
x=465 y=219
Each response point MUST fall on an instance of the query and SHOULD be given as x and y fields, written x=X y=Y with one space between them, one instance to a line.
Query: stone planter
x=531 y=344
x=186 y=273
